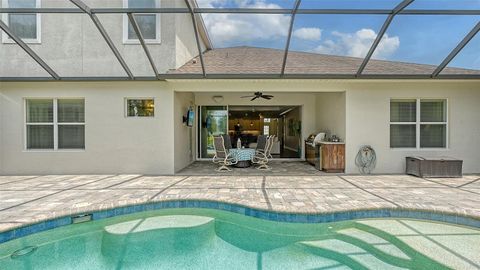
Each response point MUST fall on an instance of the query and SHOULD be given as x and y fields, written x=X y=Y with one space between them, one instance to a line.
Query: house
x=96 y=102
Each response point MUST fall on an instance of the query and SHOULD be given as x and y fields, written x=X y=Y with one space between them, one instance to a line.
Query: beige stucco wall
x=330 y=113
x=368 y=116
x=114 y=143
x=184 y=136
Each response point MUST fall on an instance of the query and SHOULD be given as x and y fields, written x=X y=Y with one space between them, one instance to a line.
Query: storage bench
x=434 y=167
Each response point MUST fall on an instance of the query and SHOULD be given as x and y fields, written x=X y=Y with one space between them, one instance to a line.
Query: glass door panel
x=213 y=122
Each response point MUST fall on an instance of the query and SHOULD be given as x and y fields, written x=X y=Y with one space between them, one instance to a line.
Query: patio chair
x=261 y=142
x=222 y=156
x=270 y=146
x=227 y=141
x=262 y=157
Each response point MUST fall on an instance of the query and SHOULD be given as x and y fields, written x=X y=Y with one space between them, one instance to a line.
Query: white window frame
x=418 y=124
x=139 y=98
x=55 y=126
x=157 y=39
x=7 y=40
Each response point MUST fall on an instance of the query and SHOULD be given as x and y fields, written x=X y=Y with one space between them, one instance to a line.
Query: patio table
x=244 y=156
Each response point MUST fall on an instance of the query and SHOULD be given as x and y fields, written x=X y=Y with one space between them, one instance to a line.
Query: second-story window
x=149 y=24
x=25 y=25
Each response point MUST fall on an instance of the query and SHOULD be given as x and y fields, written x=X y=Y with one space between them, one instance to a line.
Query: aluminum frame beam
x=245 y=11
x=381 y=33
x=197 y=39
x=289 y=37
x=136 y=28
x=86 y=9
x=457 y=50
x=28 y=50
x=258 y=76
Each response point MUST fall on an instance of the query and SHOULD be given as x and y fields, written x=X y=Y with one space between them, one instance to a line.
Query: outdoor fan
x=258 y=95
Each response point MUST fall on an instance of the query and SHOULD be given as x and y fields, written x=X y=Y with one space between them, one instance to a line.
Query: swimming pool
x=214 y=239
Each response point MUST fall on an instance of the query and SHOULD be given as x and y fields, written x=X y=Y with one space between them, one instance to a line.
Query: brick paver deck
x=29 y=199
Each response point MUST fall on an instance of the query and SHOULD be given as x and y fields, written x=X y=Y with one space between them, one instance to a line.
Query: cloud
x=357 y=44
x=308 y=33
x=234 y=29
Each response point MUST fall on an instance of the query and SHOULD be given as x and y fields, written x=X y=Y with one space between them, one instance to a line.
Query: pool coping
x=280 y=216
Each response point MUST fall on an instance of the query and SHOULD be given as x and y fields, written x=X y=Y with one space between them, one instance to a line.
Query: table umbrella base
x=243 y=164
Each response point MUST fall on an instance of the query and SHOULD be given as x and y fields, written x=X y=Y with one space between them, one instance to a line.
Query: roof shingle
x=253 y=60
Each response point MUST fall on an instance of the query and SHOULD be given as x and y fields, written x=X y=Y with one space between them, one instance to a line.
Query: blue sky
x=410 y=38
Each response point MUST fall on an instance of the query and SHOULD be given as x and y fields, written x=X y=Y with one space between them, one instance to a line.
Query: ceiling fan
x=258 y=95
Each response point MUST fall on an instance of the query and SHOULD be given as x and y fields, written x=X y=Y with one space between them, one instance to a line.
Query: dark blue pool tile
x=149 y=207
x=302 y=218
x=7 y=236
x=272 y=216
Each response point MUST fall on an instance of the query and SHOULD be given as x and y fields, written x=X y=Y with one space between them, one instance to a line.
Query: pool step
x=156 y=236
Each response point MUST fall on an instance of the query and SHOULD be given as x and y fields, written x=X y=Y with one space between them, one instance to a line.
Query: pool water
x=213 y=239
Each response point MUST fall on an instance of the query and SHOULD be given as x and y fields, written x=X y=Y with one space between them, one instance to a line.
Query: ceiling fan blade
x=269 y=96
x=265 y=97
x=253 y=98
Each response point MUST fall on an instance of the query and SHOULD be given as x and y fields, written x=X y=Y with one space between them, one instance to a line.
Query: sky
x=410 y=38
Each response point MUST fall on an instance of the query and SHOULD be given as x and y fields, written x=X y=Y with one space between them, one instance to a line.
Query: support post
x=28 y=50
x=457 y=50
x=381 y=33
x=81 y=5
x=136 y=28
x=197 y=39
x=289 y=37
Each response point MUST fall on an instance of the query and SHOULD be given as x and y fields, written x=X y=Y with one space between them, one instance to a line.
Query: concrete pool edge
x=291 y=217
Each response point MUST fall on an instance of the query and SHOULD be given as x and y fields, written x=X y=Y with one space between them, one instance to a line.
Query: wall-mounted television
x=190 y=117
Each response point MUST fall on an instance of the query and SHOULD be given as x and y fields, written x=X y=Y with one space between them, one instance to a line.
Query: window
x=140 y=107
x=418 y=123
x=25 y=25
x=53 y=124
x=149 y=24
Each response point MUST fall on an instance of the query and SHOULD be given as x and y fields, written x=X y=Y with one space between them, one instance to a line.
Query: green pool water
x=212 y=239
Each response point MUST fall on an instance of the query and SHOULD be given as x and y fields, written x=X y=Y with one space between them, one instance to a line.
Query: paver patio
x=29 y=199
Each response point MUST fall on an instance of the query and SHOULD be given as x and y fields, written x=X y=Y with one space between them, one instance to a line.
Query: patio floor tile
x=389 y=181
x=110 y=181
x=10 y=198
x=323 y=200
x=221 y=182
x=52 y=182
x=277 y=168
x=438 y=199
x=474 y=184
x=248 y=197
x=306 y=182
x=72 y=202
x=150 y=182
x=12 y=178
x=456 y=182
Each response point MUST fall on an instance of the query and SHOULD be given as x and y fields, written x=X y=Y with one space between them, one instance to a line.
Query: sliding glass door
x=213 y=121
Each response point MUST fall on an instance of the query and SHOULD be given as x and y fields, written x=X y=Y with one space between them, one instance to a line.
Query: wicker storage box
x=434 y=167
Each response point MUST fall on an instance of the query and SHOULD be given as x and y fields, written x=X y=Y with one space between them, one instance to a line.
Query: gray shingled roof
x=253 y=60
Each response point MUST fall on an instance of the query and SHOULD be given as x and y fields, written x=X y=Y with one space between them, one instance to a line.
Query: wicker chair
x=222 y=156
x=262 y=156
